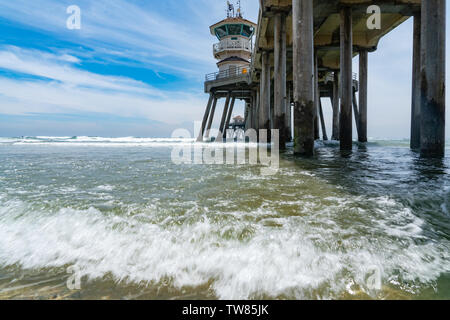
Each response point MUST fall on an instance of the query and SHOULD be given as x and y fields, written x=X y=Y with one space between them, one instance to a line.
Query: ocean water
x=132 y=224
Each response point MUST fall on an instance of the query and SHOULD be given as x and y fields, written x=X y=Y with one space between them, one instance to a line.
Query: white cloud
x=70 y=90
x=123 y=28
x=166 y=35
x=58 y=68
x=169 y=35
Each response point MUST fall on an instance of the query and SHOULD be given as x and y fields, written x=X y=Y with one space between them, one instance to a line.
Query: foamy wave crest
x=130 y=139
x=241 y=255
x=96 y=141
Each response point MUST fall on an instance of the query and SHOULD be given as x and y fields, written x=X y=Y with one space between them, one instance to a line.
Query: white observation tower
x=234 y=49
x=233 y=81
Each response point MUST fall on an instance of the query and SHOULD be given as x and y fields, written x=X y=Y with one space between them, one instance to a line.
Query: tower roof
x=231 y=20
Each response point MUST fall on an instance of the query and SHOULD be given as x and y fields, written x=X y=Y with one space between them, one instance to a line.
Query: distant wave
x=96 y=141
x=160 y=142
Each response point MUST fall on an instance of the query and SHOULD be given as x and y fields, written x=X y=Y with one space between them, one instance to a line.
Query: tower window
x=221 y=32
x=247 y=31
x=234 y=29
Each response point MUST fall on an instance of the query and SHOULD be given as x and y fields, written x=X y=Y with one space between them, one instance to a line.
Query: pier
x=303 y=51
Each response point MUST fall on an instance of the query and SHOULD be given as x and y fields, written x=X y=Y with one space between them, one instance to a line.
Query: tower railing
x=228 y=44
x=228 y=74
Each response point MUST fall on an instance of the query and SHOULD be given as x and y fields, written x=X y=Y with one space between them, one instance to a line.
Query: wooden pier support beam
x=363 y=84
x=346 y=123
x=415 y=99
x=264 y=99
x=205 y=117
x=279 y=119
x=432 y=86
x=224 y=117
x=336 y=106
x=211 y=117
x=303 y=68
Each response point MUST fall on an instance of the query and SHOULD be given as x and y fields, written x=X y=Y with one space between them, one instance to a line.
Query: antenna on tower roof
x=230 y=10
x=239 y=11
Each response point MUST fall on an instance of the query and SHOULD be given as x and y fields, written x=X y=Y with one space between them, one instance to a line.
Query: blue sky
x=136 y=65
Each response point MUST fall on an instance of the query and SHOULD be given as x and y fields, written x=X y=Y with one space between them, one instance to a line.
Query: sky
x=136 y=68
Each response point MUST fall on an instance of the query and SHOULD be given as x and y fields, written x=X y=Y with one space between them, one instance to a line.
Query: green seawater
x=131 y=224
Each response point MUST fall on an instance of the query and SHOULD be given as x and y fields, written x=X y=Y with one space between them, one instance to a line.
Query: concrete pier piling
x=279 y=119
x=205 y=118
x=304 y=50
x=272 y=102
x=316 y=98
x=253 y=109
x=230 y=113
x=415 y=99
x=363 y=85
x=356 y=112
x=248 y=116
x=264 y=106
x=224 y=118
x=322 y=121
x=211 y=118
x=257 y=105
x=336 y=106
x=432 y=78
x=288 y=118
x=346 y=55
x=303 y=70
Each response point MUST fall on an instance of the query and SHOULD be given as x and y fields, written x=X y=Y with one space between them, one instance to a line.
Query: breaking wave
x=244 y=255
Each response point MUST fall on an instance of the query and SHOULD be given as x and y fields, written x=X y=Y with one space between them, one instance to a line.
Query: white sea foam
x=445 y=209
x=243 y=260
x=100 y=142
x=131 y=139
x=138 y=142
x=84 y=141
x=97 y=141
x=50 y=138
x=105 y=188
x=67 y=189
x=107 y=144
